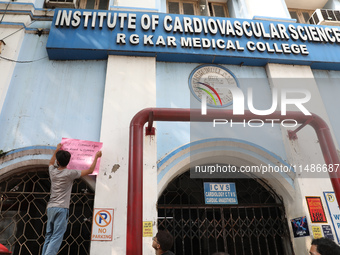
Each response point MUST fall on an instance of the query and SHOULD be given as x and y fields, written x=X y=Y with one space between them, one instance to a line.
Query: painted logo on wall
x=213 y=83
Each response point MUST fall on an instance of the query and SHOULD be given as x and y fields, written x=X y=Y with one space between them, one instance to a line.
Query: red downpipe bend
x=134 y=235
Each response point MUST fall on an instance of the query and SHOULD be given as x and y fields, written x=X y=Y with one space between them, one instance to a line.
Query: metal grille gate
x=23 y=200
x=255 y=226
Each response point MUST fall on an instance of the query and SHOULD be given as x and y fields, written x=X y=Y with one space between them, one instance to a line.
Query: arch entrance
x=257 y=225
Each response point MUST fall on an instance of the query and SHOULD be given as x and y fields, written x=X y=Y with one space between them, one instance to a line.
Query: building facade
x=86 y=69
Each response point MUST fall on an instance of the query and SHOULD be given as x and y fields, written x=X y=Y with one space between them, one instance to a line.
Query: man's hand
x=59 y=146
x=92 y=167
x=52 y=160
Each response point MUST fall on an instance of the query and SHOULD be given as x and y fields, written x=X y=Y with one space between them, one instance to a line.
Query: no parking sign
x=102 y=225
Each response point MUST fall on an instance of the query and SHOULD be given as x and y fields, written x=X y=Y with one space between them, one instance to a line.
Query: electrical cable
x=4 y=12
x=22 y=61
x=19 y=61
x=22 y=27
x=13 y=33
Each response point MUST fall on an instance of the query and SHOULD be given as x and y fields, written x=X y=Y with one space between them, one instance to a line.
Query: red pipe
x=134 y=235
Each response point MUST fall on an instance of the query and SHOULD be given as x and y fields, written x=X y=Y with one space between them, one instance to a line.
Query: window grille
x=23 y=200
x=202 y=7
x=301 y=15
x=256 y=226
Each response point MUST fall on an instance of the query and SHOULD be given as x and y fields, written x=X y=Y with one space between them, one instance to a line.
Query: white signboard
x=334 y=211
x=102 y=225
x=220 y=193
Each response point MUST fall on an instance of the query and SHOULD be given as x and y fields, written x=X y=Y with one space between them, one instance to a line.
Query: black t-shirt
x=168 y=253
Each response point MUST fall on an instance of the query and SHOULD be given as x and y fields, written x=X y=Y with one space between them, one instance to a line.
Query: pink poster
x=82 y=153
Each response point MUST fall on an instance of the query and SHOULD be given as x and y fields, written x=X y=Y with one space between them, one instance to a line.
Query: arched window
x=23 y=200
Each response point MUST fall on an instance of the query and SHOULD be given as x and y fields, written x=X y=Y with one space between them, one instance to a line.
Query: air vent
x=325 y=17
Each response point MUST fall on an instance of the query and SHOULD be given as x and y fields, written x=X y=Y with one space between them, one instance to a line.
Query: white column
x=266 y=8
x=304 y=151
x=8 y=50
x=300 y=77
x=130 y=87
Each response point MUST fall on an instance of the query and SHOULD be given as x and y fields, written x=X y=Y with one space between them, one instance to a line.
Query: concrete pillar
x=266 y=8
x=9 y=50
x=130 y=86
x=305 y=151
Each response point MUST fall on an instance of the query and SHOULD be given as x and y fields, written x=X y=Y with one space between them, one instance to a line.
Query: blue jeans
x=56 y=226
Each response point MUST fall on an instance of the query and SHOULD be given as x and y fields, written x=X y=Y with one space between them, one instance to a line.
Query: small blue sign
x=220 y=193
x=327 y=232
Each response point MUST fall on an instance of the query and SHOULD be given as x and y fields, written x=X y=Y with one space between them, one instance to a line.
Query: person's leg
x=59 y=228
x=49 y=229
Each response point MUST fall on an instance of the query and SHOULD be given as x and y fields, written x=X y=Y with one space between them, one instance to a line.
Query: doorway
x=256 y=225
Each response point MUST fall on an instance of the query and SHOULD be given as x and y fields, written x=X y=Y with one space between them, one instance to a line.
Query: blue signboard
x=220 y=193
x=95 y=34
x=327 y=232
